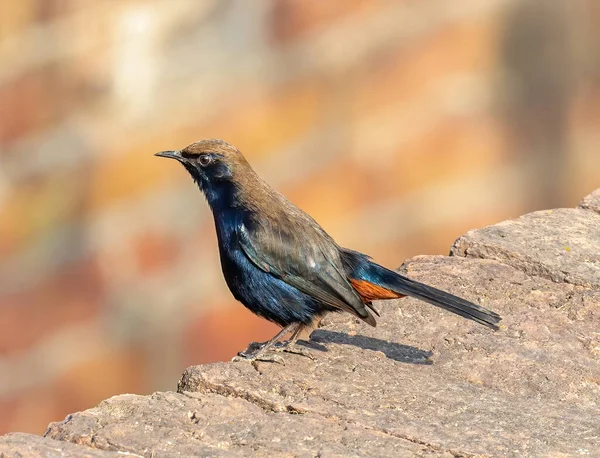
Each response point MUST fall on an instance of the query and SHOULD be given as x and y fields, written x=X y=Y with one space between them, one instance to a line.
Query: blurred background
x=398 y=125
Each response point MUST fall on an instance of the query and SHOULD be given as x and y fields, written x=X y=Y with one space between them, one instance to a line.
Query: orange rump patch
x=370 y=292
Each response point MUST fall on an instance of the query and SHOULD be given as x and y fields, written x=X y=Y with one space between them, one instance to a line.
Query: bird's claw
x=253 y=358
x=253 y=349
x=256 y=352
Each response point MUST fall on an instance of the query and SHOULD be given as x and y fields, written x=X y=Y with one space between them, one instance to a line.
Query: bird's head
x=215 y=165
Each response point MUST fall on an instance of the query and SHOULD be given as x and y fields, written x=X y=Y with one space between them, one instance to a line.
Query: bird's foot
x=257 y=352
x=266 y=358
x=291 y=347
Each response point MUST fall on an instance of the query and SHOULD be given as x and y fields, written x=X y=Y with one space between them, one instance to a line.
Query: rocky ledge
x=423 y=383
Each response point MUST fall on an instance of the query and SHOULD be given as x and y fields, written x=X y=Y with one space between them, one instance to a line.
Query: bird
x=282 y=265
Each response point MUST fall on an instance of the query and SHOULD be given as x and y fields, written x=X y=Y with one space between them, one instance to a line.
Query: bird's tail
x=362 y=271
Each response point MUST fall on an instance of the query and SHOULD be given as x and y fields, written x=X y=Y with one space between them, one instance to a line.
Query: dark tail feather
x=403 y=285
x=379 y=275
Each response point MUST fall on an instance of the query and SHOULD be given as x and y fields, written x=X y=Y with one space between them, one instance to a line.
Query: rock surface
x=32 y=446
x=562 y=245
x=423 y=383
x=591 y=202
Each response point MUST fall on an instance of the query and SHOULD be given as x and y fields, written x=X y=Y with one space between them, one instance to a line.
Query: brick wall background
x=398 y=125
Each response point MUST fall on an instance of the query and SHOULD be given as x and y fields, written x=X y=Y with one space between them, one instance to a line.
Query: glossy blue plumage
x=261 y=292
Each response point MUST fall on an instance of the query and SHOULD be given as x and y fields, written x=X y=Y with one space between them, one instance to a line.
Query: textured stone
x=591 y=202
x=423 y=381
x=423 y=375
x=17 y=445
x=562 y=245
x=211 y=424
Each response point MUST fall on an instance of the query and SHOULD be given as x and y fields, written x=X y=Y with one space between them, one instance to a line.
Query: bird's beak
x=171 y=155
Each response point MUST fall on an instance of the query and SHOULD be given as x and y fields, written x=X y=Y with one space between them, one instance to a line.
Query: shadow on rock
x=395 y=351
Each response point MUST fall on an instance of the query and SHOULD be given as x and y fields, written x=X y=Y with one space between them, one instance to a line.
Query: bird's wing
x=304 y=256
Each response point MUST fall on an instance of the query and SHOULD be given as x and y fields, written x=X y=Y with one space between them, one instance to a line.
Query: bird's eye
x=204 y=160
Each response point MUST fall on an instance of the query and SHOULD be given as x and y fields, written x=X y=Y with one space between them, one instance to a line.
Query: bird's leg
x=289 y=346
x=258 y=354
x=295 y=335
